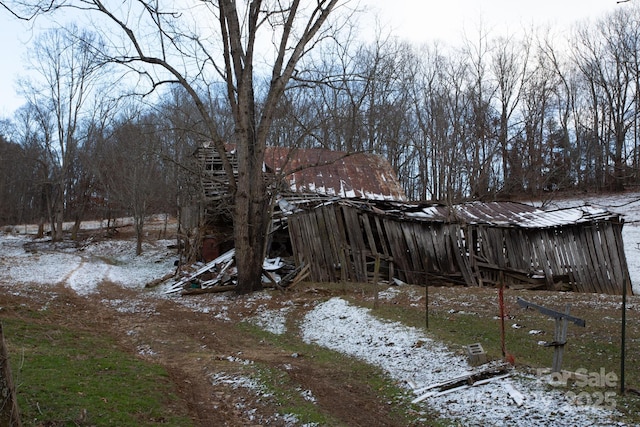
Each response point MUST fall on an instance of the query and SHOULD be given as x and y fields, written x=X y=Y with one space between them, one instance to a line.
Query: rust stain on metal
x=333 y=173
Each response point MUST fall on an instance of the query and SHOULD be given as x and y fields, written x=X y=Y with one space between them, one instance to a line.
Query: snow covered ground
x=406 y=354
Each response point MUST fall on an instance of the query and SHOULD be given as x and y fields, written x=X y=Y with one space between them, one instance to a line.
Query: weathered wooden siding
x=213 y=178
x=586 y=258
x=341 y=242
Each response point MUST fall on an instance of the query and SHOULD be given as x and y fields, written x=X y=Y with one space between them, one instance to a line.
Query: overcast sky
x=418 y=21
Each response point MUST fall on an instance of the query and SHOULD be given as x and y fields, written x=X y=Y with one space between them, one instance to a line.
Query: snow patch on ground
x=82 y=269
x=273 y=321
x=261 y=392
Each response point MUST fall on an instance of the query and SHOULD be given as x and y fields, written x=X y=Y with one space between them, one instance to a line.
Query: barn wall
x=583 y=258
x=341 y=242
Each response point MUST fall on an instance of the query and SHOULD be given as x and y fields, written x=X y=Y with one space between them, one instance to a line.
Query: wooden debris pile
x=473 y=379
x=220 y=275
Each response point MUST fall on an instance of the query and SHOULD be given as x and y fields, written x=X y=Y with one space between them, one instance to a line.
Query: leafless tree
x=480 y=147
x=198 y=44
x=509 y=60
x=606 y=56
x=67 y=68
x=440 y=110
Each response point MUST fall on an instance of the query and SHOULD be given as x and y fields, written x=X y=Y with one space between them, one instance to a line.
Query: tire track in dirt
x=89 y=283
x=195 y=347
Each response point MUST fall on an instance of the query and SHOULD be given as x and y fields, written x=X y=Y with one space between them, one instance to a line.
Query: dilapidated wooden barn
x=291 y=174
x=472 y=244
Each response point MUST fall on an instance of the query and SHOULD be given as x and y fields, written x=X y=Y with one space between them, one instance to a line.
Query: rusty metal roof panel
x=332 y=173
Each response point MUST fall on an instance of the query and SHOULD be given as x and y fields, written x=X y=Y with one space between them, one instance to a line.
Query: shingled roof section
x=334 y=173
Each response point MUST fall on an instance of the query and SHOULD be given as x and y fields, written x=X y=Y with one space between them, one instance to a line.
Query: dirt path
x=205 y=354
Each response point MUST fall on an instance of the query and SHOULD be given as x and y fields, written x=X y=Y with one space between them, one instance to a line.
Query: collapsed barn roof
x=473 y=244
x=358 y=216
x=502 y=214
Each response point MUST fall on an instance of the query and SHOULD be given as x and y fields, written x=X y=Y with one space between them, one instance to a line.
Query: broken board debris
x=220 y=274
x=473 y=379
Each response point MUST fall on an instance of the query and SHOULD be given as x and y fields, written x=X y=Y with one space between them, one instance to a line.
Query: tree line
x=493 y=118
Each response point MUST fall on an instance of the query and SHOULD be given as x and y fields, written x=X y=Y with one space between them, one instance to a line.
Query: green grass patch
x=69 y=377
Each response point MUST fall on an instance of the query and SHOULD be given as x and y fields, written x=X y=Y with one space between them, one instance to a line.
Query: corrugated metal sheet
x=333 y=173
x=502 y=214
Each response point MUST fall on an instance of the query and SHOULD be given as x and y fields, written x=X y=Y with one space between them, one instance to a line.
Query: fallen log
x=210 y=290
x=162 y=279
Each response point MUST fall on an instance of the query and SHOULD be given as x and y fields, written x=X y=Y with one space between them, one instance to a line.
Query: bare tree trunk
x=250 y=207
x=139 y=224
x=9 y=413
x=40 y=234
x=249 y=233
x=76 y=228
x=59 y=218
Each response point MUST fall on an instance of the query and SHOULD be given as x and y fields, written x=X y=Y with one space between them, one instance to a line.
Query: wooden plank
x=417 y=231
x=525 y=246
x=455 y=384
x=603 y=260
x=578 y=256
x=583 y=248
x=436 y=234
x=599 y=282
x=471 y=243
x=371 y=241
x=445 y=254
x=550 y=250
x=497 y=243
x=384 y=243
x=615 y=238
x=314 y=247
x=413 y=253
x=538 y=246
x=462 y=260
x=331 y=246
x=356 y=244
x=563 y=254
x=517 y=397
x=342 y=244
x=382 y=236
x=427 y=252
x=293 y=223
x=398 y=247
x=609 y=251
x=570 y=264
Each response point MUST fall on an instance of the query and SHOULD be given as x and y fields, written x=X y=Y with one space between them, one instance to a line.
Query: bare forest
x=119 y=101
